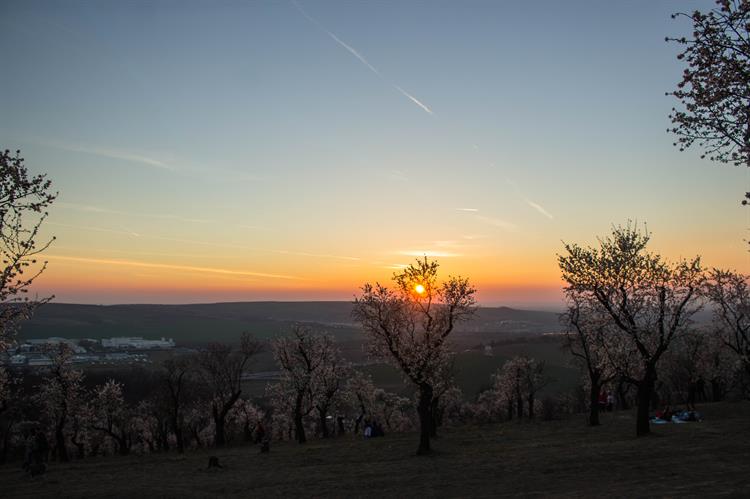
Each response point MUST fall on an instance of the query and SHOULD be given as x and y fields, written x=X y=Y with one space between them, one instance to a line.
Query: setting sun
x=419 y=289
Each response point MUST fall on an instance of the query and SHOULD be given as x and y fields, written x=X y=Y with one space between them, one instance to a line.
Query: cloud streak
x=496 y=222
x=421 y=253
x=362 y=59
x=98 y=209
x=133 y=263
x=110 y=153
x=317 y=255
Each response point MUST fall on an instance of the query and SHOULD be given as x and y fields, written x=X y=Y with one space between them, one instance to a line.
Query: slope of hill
x=554 y=459
x=225 y=321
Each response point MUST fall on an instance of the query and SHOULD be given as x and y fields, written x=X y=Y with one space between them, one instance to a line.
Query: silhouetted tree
x=518 y=381
x=175 y=378
x=409 y=326
x=60 y=395
x=222 y=367
x=311 y=374
x=648 y=301
x=585 y=338
x=23 y=201
x=111 y=416
x=729 y=292
x=715 y=87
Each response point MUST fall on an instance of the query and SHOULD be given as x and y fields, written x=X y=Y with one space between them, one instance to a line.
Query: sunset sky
x=228 y=151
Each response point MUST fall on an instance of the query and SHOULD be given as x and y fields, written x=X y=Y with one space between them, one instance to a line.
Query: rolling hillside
x=190 y=324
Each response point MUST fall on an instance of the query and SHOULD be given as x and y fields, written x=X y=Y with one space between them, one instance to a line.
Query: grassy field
x=563 y=459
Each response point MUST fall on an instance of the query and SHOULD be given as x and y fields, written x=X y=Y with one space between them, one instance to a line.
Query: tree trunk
x=62 y=450
x=594 y=401
x=123 y=441
x=220 y=418
x=80 y=447
x=425 y=418
x=622 y=399
x=692 y=390
x=510 y=410
x=434 y=423
x=299 y=427
x=6 y=442
x=219 y=434
x=323 y=413
x=196 y=436
x=717 y=394
x=519 y=405
x=531 y=406
x=179 y=439
x=645 y=394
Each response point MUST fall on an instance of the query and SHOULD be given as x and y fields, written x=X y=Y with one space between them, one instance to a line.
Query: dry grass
x=564 y=459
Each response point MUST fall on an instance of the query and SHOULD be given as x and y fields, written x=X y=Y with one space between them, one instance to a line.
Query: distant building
x=39 y=361
x=137 y=343
x=37 y=343
x=18 y=360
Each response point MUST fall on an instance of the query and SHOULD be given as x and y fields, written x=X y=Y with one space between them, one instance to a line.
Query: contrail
x=539 y=208
x=353 y=51
x=528 y=201
x=362 y=59
x=110 y=153
x=413 y=99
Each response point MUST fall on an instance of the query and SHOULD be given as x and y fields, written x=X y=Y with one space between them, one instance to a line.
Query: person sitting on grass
x=665 y=414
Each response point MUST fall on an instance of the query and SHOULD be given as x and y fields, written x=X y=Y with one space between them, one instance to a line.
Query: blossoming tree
x=647 y=301
x=409 y=324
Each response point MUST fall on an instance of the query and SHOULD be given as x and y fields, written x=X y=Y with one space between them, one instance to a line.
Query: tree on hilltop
x=221 y=367
x=648 y=302
x=409 y=326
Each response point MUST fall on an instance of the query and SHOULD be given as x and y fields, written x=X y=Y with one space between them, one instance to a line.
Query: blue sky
x=330 y=142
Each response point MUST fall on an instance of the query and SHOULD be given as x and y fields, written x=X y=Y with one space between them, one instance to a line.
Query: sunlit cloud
x=133 y=263
x=496 y=222
x=472 y=210
x=317 y=255
x=362 y=59
x=396 y=266
x=432 y=253
x=397 y=175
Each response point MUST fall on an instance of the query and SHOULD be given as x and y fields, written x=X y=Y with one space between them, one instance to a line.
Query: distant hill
x=199 y=323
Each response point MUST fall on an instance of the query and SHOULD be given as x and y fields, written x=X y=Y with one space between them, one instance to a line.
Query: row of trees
x=182 y=401
x=628 y=308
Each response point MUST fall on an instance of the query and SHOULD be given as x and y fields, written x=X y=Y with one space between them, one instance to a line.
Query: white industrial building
x=137 y=343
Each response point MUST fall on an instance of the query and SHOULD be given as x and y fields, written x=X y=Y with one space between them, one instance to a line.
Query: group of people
x=373 y=429
x=667 y=415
